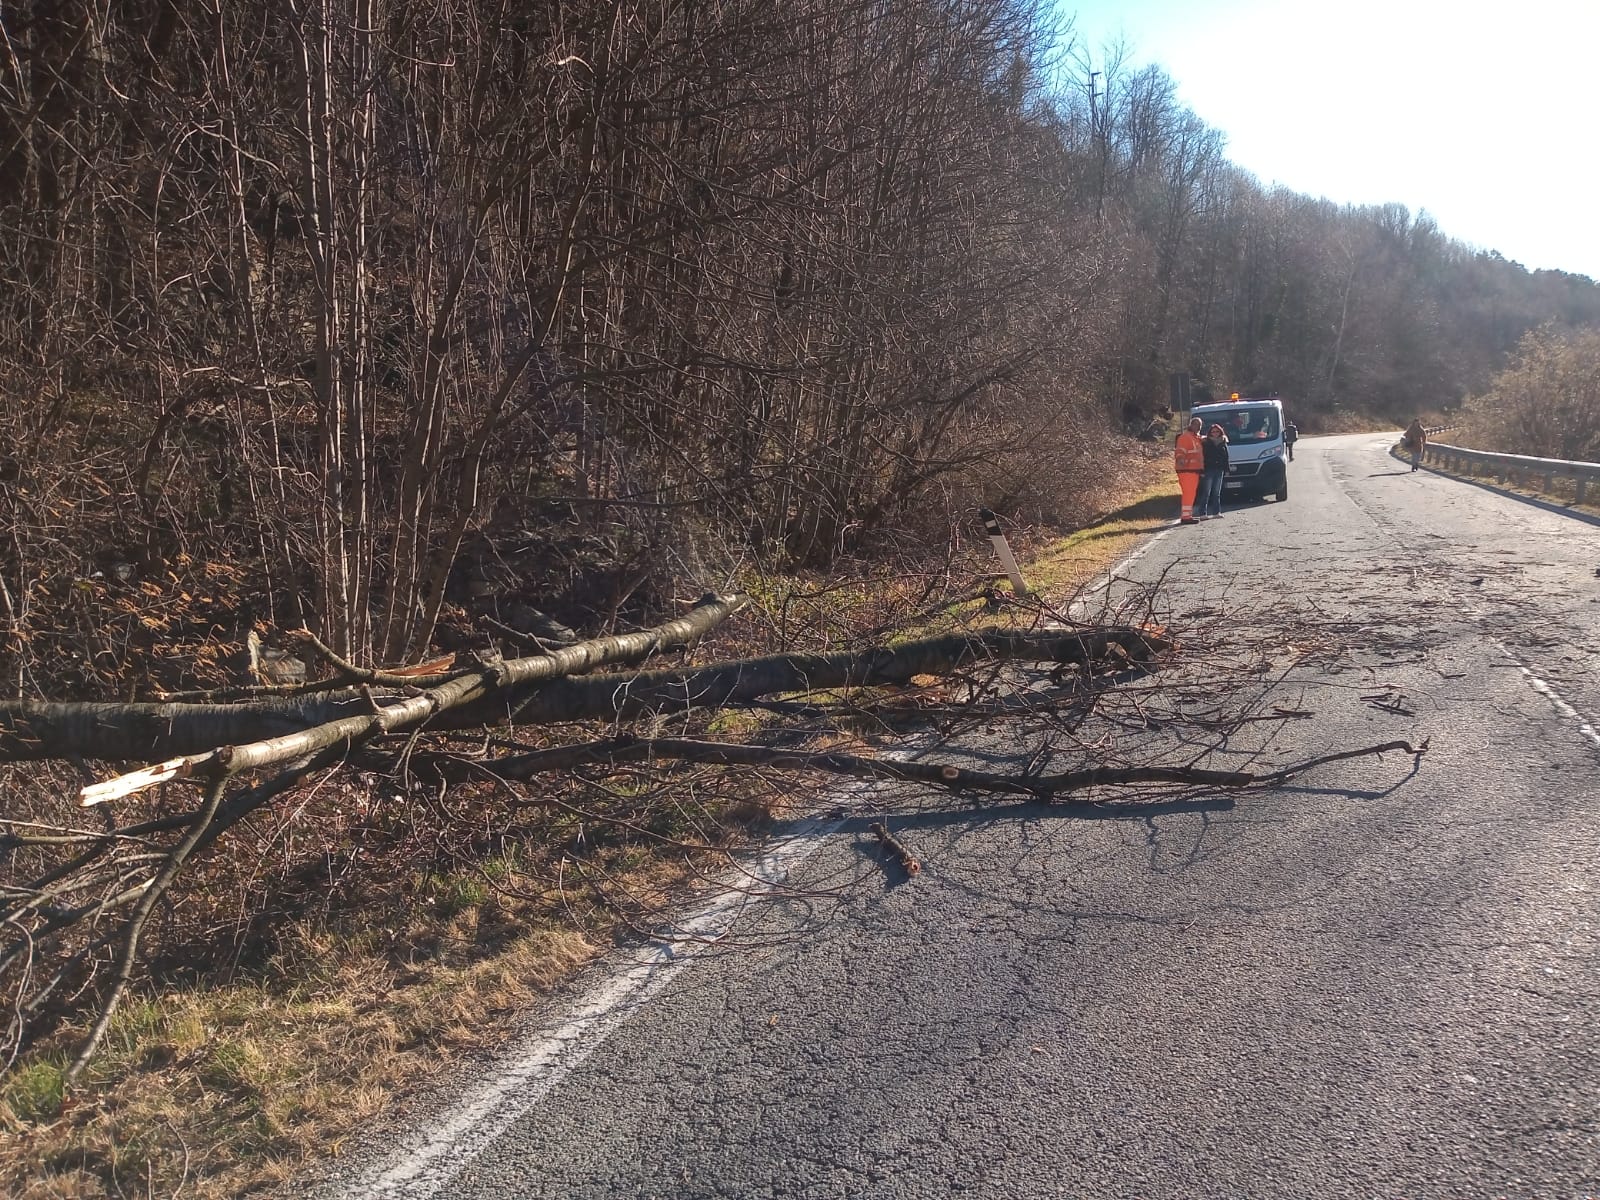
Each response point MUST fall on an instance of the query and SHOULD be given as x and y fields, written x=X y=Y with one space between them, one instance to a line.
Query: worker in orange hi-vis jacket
x=1189 y=458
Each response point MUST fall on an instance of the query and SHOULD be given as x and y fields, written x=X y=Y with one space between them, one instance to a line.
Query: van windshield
x=1245 y=424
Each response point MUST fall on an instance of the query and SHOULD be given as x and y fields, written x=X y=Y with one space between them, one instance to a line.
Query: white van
x=1256 y=464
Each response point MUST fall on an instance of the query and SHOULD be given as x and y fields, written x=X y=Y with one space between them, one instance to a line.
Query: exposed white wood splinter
x=137 y=781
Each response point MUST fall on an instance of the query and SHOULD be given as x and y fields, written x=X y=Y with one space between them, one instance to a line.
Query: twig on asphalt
x=907 y=860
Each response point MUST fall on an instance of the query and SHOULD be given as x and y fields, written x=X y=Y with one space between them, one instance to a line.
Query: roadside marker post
x=991 y=525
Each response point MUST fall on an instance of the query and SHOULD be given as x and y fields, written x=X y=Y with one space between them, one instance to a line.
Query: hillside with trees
x=319 y=292
x=1545 y=403
x=1367 y=311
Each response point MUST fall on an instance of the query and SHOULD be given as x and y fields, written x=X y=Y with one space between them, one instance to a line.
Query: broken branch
x=945 y=776
x=907 y=860
x=33 y=730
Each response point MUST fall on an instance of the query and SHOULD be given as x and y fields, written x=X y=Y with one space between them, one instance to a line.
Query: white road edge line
x=537 y=1063
x=1116 y=568
x=1586 y=730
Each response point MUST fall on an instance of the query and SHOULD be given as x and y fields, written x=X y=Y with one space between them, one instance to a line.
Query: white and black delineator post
x=991 y=525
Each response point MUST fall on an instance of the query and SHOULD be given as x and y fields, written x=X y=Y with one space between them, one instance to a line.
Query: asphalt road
x=1381 y=980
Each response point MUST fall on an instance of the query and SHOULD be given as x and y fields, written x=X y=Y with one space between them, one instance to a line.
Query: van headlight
x=1271 y=452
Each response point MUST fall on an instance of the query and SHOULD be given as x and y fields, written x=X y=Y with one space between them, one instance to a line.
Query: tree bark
x=35 y=730
x=731 y=683
x=526 y=691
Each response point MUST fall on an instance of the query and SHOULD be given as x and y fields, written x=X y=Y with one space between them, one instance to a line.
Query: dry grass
x=215 y=1090
x=226 y=1091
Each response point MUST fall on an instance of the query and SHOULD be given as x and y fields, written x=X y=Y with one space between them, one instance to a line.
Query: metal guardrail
x=1517 y=468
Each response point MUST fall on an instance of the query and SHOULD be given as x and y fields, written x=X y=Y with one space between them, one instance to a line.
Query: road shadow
x=1387 y=474
x=864 y=839
x=1151 y=513
x=982 y=812
x=1150 y=508
x=1148 y=526
x=1023 y=810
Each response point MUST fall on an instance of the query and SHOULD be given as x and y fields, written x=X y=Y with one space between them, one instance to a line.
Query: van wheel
x=1283 y=492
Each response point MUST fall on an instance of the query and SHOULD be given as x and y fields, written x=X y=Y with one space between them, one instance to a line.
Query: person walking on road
x=1189 y=459
x=1291 y=435
x=1215 y=451
x=1416 y=440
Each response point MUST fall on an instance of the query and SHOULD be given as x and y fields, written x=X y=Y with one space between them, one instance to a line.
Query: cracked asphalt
x=1379 y=980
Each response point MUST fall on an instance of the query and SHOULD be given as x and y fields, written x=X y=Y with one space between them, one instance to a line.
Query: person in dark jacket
x=1291 y=435
x=1215 y=448
x=1416 y=441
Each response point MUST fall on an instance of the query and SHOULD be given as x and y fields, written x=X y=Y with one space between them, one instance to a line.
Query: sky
x=1484 y=115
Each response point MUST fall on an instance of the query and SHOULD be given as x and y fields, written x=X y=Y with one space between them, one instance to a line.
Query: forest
x=318 y=294
x=340 y=339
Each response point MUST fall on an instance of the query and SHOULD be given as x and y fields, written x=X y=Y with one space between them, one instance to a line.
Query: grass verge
x=1062 y=566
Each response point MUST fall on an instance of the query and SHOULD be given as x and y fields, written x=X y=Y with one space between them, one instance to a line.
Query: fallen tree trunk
x=36 y=730
x=204 y=738
x=721 y=684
